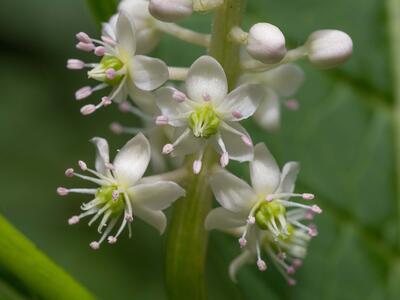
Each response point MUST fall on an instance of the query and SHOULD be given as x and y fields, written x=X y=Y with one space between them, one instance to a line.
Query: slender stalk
x=393 y=11
x=177 y=73
x=34 y=269
x=188 y=239
x=185 y=34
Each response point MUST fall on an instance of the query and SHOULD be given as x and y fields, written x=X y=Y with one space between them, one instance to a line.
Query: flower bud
x=329 y=48
x=171 y=10
x=266 y=43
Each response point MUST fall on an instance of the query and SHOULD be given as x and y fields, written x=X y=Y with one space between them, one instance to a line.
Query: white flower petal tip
x=242 y=242
x=73 y=220
x=292 y=104
x=69 y=172
x=167 y=149
x=170 y=10
x=162 y=120
x=112 y=239
x=95 y=245
x=224 y=160
x=62 y=191
x=148 y=73
x=197 y=164
x=266 y=43
x=308 y=196
x=329 y=48
x=262 y=266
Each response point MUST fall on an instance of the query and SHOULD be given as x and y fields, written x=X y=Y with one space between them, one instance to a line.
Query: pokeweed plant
x=243 y=74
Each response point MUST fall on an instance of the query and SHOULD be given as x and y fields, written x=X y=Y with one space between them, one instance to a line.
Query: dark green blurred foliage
x=342 y=135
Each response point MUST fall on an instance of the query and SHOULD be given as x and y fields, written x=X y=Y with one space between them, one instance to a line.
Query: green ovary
x=268 y=211
x=107 y=62
x=204 y=121
x=104 y=194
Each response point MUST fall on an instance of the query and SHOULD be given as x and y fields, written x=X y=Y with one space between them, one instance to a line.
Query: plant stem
x=393 y=11
x=41 y=276
x=188 y=239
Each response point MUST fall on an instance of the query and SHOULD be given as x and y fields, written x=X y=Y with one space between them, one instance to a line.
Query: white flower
x=281 y=82
x=119 y=67
x=264 y=208
x=146 y=110
x=121 y=195
x=207 y=114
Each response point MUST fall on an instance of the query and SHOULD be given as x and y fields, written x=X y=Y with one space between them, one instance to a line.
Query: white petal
x=102 y=155
x=109 y=28
x=206 y=77
x=288 y=177
x=155 y=218
x=146 y=101
x=148 y=73
x=126 y=35
x=264 y=171
x=268 y=114
x=243 y=100
x=234 y=145
x=285 y=80
x=155 y=196
x=170 y=107
x=132 y=160
x=232 y=192
x=244 y=258
x=221 y=218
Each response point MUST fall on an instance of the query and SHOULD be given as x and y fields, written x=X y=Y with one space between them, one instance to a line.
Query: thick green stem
x=187 y=240
x=393 y=10
x=42 y=277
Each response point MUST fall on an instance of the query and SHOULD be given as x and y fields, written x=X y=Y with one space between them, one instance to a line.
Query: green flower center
x=105 y=195
x=204 y=121
x=103 y=71
x=267 y=211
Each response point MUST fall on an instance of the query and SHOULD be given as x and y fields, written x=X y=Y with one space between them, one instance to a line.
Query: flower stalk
x=188 y=238
x=36 y=271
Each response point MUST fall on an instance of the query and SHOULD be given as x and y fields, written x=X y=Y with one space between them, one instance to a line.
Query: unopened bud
x=170 y=10
x=329 y=48
x=266 y=43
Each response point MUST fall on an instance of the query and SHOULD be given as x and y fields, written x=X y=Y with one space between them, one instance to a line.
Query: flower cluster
x=187 y=120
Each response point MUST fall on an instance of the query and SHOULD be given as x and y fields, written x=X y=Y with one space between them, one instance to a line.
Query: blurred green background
x=342 y=135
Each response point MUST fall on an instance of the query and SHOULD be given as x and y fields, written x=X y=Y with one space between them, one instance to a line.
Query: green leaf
x=102 y=10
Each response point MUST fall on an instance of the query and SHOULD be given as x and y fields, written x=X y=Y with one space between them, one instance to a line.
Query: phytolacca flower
x=122 y=196
x=265 y=208
x=286 y=254
x=119 y=67
x=208 y=114
x=281 y=82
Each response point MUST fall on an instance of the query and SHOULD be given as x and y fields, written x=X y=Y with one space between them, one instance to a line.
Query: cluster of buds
x=201 y=114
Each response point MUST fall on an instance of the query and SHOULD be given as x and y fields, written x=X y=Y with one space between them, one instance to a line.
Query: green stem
x=42 y=277
x=188 y=239
x=393 y=11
